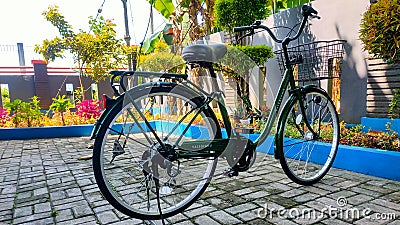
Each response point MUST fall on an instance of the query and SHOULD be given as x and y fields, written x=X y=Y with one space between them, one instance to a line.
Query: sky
x=22 y=21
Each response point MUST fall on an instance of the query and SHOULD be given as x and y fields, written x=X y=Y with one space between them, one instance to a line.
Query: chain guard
x=240 y=153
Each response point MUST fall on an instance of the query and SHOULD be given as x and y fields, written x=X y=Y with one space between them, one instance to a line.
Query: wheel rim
x=125 y=179
x=309 y=155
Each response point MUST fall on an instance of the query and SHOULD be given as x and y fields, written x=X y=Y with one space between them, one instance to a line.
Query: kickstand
x=158 y=199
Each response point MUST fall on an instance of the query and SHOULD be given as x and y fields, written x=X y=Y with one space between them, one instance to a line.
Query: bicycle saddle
x=203 y=53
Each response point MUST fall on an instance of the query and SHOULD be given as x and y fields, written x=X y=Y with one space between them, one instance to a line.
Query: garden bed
x=369 y=161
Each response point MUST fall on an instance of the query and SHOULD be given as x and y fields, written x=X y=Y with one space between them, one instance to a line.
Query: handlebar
x=307 y=11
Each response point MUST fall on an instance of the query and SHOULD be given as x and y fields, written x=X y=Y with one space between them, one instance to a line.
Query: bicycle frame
x=199 y=148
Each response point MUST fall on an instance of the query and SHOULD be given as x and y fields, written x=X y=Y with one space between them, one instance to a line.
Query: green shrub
x=394 y=105
x=162 y=61
x=24 y=112
x=233 y=13
x=380 y=30
x=61 y=105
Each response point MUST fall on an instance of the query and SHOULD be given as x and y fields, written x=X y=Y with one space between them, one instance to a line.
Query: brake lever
x=314 y=17
x=245 y=35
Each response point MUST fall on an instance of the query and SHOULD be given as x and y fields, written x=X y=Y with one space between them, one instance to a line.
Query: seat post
x=213 y=75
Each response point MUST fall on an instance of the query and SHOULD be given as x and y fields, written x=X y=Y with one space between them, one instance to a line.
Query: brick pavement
x=42 y=182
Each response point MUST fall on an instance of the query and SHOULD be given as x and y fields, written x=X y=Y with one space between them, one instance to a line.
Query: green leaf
x=149 y=43
x=165 y=7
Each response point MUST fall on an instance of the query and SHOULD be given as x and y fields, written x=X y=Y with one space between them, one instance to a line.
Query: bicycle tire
x=130 y=189
x=306 y=157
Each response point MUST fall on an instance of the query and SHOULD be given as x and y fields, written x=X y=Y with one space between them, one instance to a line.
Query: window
x=69 y=88
x=5 y=93
x=95 y=91
x=334 y=84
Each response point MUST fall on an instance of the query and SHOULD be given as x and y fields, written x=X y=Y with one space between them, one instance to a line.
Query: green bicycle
x=157 y=144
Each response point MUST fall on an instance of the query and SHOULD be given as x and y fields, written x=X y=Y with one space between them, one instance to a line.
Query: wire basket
x=314 y=61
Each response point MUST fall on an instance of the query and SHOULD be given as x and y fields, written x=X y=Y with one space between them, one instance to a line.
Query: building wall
x=47 y=86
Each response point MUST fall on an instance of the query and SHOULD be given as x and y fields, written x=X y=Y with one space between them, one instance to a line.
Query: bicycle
x=157 y=144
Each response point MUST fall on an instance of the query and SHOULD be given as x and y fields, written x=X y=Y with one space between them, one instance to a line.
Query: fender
x=111 y=104
x=118 y=102
x=285 y=111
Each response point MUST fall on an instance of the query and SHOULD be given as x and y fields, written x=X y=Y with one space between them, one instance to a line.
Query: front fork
x=296 y=94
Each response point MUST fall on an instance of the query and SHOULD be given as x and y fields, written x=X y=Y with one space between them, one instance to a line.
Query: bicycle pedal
x=231 y=172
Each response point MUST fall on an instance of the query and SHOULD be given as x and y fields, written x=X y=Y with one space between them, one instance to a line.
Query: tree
x=187 y=14
x=238 y=62
x=95 y=52
x=234 y=13
x=277 y=5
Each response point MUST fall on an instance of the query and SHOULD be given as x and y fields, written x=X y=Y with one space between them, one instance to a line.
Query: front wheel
x=308 y=137
x=130 y=170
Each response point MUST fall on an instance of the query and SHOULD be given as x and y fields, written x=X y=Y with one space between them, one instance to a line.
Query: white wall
x=340 y=19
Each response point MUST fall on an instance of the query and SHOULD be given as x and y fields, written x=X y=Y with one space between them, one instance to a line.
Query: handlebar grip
x=244 y=28
x=308 y=11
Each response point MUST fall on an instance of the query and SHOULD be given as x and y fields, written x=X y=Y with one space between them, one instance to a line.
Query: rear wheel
x=308 y=140
x=129 y=169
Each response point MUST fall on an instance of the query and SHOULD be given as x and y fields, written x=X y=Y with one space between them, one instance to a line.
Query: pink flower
x=88 y=109
x=4 y=116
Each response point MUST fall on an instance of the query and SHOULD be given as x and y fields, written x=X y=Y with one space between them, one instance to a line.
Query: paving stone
x=129 y=222
x=44 y=221
x=27 y=194
x=8 y=190
x=40 y=191
x=305 y=197
x=64 y=215
x=387 y=204
x=107 y=217
x=199 y=211
x=74 y=192
x=205 y=220
x=84 y=220
x=29 y=218
x=244 y=191
x=42 y=207
x=241 y=208
x=82 y=209
x=6 y=218
x=342 y=194
x=292 y=193
x=224 y=217
x=248 y=216
x=359 y=198
x=334 y=221
x=103 y=208
x=23 y=211
x=177 y=218
x=360 y=190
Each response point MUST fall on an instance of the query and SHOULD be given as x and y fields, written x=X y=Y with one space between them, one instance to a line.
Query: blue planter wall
x=379 y=124
x=45 y=132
